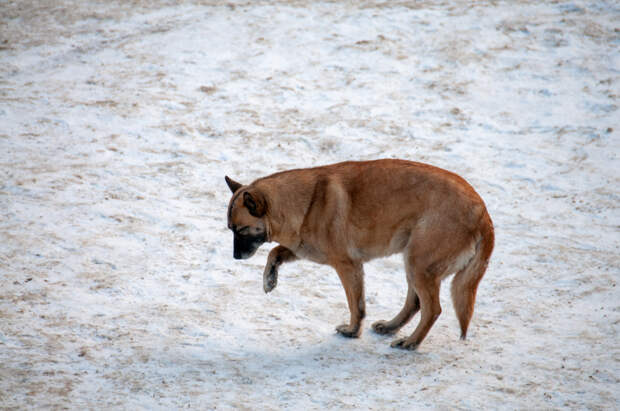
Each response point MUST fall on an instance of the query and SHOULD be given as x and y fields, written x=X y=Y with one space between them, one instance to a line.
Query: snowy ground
x=118 y=121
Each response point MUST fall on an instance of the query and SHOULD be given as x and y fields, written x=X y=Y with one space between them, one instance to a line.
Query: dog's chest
x=310 y=252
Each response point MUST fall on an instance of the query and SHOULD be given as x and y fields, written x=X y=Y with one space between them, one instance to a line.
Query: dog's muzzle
x=246 y=245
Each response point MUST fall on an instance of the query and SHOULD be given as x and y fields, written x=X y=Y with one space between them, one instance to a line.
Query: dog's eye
x=244 y=230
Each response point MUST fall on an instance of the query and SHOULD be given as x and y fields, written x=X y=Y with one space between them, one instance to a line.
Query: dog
x=346 y=214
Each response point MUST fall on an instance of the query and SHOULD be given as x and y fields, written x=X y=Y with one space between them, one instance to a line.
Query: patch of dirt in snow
x=118 y=121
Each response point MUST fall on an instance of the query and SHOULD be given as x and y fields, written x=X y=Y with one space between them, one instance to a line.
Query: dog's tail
x=465 y=282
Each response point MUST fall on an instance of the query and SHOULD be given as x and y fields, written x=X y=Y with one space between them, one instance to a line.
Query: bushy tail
x=465 y=282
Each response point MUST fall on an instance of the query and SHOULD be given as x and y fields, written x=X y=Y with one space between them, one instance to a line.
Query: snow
x=119 y=120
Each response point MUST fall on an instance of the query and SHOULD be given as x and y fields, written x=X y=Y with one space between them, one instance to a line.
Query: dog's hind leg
x=277 y=257
x=426 y=280
x=411 y=307
x=352 y=277
x=427 y=289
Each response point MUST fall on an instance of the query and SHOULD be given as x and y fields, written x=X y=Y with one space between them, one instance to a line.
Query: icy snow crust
x=119 y=120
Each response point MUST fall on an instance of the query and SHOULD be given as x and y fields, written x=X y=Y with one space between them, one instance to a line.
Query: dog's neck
x=286 y=209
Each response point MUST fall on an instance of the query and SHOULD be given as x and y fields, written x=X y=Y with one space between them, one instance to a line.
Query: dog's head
x=247 y=219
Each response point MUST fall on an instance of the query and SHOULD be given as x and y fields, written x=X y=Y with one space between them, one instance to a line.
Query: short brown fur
x=348 y=213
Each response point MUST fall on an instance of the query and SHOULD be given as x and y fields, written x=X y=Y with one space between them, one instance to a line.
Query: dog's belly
x=368 y=245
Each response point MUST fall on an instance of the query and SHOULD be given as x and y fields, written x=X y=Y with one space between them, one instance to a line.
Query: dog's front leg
x=352 y=277
x=277 y=257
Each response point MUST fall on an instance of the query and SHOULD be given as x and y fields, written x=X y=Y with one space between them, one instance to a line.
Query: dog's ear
x=232 y=184
x=254 y=201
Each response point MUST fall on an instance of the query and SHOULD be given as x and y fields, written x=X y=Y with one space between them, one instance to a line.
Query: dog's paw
x=269 y=283
x=347 y=330
x=381 y=327
x=404 y=344
x=270 y=278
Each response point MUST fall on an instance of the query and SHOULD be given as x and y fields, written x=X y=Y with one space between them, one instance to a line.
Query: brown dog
x=348 y=213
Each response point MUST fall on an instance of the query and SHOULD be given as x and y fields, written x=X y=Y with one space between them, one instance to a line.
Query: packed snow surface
x=119 y=120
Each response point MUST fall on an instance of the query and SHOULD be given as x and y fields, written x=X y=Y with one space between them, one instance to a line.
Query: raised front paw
x=270 y=278
x=349 y=331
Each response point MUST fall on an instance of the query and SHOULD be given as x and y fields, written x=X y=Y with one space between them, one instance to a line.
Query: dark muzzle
x=246 y=245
